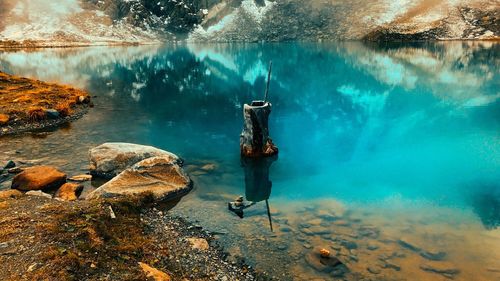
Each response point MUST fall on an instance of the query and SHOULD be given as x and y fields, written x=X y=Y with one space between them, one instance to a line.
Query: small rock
x=81 y=178
x=38 y=178
x=198 y=243
x=154 y=273
x=373 y=270
x=32 y=267
x=285 y=229
x=15 y=170
x=11 y=193
x=52 y=113
x=324 y=253
x=372 y=247
x=4 y=119
x=282 y=247
x=84 y=99
x=38 y=193
x=69 y=191
x=9 y=165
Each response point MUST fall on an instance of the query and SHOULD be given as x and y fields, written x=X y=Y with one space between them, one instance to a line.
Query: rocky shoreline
x=127 y=234
x=45 y=239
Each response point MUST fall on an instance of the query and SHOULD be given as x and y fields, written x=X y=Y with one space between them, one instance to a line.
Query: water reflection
x=402 y=137
x=257 y=184
x=486 y=204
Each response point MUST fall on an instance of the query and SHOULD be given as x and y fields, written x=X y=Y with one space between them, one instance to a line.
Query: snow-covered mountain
x=70 y=22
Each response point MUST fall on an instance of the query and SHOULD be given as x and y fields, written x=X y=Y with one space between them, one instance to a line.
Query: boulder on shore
x=38 y=178
x=110 y=159
x=69 y=191
x=160 y=176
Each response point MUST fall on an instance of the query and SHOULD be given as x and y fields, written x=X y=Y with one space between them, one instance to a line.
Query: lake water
x=389 y=155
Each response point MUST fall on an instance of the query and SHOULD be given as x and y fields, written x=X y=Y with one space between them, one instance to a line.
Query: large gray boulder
x=109 y=159
x=160 y=176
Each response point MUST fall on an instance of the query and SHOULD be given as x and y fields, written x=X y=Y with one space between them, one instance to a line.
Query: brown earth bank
x=29 y=104
x=113 y=239
x=36 y=44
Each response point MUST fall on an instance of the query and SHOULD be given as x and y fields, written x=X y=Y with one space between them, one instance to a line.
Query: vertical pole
x=268 y=80
x=269 y=215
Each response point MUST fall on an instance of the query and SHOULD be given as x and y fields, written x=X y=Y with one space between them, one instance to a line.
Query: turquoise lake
x=400 y=139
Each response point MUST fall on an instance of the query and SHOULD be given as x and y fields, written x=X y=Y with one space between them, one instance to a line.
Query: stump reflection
x=257 y=185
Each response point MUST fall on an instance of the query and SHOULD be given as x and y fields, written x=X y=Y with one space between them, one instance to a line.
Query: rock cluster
x=136 y=170
x=140 y=170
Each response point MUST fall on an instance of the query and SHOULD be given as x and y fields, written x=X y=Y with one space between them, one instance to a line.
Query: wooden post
x=254 y=139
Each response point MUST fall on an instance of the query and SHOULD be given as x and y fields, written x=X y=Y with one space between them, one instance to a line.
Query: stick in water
x=269 y=216
x=268 y=80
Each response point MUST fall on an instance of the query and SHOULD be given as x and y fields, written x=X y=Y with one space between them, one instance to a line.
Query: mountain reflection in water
x=377 y=143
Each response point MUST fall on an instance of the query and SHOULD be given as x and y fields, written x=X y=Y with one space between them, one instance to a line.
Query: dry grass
x=73 y=241
x=36 y=113
x=88 y=241
x=26 y=99
x=64 y=109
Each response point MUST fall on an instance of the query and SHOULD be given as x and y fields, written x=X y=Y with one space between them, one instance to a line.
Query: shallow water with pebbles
x=389 y=155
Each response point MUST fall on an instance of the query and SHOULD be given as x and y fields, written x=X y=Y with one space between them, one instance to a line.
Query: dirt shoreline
x=30 y=44
x=46 y=239
x=17 y=45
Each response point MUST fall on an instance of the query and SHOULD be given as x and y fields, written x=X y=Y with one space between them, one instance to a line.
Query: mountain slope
x=70 y=22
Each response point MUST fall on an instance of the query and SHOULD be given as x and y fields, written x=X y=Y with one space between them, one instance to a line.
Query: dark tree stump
x=254 y=139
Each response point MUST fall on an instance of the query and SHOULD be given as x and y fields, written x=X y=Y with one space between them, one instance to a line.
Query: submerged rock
x=348 y=244
x=321 y=263
x=69 y=191
x=373 y=270
x=109 y=159
x=443 y=268
x=39 y=178
x=160 y=176
x=432 y=254
x=409 y=244
x=372 y=247
x=389 y=264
